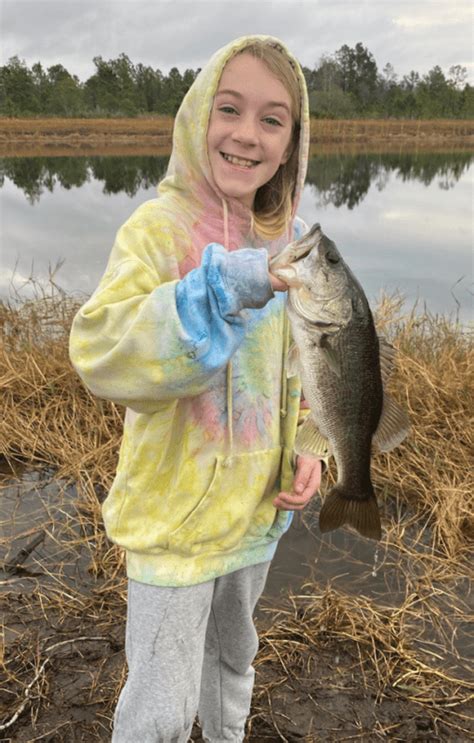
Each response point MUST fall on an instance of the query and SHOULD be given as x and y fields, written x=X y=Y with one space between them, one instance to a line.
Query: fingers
x=306 y=483
x=291 y=501
x=277 y=284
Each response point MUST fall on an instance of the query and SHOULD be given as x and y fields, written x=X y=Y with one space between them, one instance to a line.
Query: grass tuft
x=331 y=665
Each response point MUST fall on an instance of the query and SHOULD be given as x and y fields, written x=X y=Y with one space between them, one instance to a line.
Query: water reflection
x=402 y=221
x=35 y=175
x=345 y=180
x=337 y=179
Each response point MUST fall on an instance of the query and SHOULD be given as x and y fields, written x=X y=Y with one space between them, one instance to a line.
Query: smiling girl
x=188 y=330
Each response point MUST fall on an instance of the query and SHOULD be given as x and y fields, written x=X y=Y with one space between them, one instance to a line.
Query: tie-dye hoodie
x=185 y=331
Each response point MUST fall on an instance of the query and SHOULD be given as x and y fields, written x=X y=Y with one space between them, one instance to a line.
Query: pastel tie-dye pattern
x=184 y=331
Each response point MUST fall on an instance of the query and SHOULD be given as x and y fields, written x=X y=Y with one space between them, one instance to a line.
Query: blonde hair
x=273 y=201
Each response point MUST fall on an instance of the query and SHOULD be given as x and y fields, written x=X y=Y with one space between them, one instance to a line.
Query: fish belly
x=346 y=410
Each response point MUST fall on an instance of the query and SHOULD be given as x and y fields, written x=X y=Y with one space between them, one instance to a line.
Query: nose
x=245 y=131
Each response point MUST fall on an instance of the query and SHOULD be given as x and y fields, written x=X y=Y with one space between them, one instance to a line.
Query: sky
x=409 y=34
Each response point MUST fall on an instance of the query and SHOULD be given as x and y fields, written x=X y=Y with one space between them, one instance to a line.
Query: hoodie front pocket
x=238 y=496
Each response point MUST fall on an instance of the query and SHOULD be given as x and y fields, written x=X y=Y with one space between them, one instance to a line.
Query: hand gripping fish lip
x=297 y=250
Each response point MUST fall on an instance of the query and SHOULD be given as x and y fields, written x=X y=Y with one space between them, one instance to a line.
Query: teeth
x=239 y=161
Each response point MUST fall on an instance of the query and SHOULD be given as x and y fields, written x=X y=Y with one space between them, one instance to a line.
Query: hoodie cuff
x=240 y=279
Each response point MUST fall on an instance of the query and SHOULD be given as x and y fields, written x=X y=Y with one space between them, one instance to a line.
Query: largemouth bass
x=343 y=366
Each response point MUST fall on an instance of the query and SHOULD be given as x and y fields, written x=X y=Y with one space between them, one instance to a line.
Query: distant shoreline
x=153 y=135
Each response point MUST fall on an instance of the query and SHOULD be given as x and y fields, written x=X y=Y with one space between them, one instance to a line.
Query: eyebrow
x=270 y=104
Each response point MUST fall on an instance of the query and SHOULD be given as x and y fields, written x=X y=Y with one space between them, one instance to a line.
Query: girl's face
x=250 y=128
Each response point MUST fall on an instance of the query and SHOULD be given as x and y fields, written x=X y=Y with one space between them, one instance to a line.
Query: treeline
x=345 y=85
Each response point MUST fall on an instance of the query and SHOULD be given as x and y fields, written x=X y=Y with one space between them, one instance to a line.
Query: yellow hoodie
x=184 y=330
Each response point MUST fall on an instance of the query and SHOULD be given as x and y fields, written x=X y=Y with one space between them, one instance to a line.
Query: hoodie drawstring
x=286 y=346
x=226 y=224
x=230 y=411
x=284 y=367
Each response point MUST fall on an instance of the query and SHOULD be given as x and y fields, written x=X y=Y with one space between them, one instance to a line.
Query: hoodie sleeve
x=139 y=341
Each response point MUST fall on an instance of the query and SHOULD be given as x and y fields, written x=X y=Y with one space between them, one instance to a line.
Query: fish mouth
x=287 y=274
x=297 y=250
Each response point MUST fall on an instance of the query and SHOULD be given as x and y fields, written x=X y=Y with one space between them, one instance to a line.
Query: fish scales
x=347 y=408
x=337 y=354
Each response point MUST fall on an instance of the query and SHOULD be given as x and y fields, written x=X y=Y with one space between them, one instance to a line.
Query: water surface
x=402 y=222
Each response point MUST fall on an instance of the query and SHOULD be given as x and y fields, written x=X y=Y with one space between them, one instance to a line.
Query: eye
x=227 y=109
x=332 y=258
x=272 y=121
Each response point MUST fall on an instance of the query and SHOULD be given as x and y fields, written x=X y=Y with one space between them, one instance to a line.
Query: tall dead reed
x=64 y=639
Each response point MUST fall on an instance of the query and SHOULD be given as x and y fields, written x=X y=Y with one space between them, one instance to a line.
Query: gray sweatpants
x=190 y=649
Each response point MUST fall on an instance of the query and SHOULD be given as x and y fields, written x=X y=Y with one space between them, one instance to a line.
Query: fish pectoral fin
x=330 y=355
x=362 y=515
x=310 y=442
x=292 y=361
x=387 y=354
x=393 y=426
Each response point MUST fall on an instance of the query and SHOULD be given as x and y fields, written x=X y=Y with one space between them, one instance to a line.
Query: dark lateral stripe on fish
x=338 y=510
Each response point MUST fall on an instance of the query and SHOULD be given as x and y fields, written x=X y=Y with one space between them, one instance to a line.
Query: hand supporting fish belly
x=343 y=367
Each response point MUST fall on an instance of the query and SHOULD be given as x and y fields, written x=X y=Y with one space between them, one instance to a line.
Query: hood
x=189 y=181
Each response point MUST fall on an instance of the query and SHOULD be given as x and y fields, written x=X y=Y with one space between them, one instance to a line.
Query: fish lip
x=322 y=324
x=323 y=300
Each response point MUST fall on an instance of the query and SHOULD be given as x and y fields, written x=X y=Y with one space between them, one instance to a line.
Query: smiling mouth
x=240 y=161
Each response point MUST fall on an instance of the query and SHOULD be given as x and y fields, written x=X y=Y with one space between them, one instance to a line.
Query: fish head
x=318 y=279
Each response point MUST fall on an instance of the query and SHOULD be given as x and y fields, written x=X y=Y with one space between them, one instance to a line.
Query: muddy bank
x=122 y=136
x=361 y=643
x=318 y=675
x=343 y=658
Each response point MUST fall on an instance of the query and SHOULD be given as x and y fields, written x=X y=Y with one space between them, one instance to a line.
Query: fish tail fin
x=338 y=509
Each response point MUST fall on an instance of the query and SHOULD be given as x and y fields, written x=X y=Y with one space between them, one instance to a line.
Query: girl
x=188 y=330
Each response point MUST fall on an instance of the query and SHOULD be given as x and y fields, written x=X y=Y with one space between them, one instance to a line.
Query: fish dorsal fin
x=387 y=355
x=292 y=361
x=309 y=440
x=330 y=355
x=393 y=425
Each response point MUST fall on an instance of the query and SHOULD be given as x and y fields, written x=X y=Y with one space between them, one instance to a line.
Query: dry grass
x=151 y=125
x=401 y=649
x=156 y=132
x=97 y=135
x=346 y=131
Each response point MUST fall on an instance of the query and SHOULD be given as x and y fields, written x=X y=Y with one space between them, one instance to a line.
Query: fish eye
x=332 y=258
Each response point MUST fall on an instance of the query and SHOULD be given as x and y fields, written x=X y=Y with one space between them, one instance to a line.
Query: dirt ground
x=336 y=662
x=77 y=681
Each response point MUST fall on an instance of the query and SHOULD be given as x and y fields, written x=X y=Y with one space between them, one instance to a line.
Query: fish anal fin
x=292 y=361
x=309 y=440
x=362 y=515
x=393 y=426
x=330 y=356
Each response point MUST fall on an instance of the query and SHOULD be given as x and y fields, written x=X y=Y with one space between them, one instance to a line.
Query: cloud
x=184 y=33
x=434 y=14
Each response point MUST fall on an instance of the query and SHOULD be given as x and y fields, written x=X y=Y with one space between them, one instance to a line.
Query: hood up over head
x=188 y=191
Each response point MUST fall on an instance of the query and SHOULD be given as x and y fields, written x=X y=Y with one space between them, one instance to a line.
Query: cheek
x=212 y=132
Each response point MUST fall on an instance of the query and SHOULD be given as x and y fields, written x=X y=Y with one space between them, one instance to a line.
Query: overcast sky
x=410 y=34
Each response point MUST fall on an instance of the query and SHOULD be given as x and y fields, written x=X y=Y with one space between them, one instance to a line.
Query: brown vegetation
x=27 y=136
x=332 y=666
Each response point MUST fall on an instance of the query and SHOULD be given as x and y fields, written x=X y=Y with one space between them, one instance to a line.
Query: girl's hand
x=277 y=284
x=305 y=485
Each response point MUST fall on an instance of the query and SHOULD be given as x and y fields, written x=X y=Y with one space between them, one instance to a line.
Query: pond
x=403 y=222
